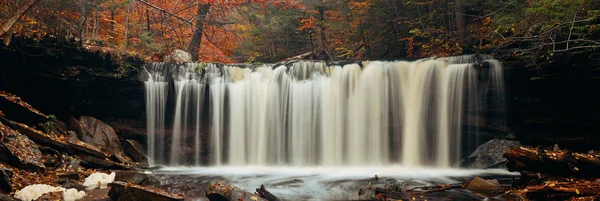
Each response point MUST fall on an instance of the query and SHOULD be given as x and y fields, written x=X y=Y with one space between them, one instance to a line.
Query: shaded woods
x=268 y=31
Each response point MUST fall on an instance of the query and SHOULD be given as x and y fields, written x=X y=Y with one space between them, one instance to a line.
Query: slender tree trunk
x=194 y=46
x=322 y=36
x=95 y=31
x=148 y=20
x=11 y=21
x=459 y=11
x=126 y=26
x=83 y=22
x=112 y=20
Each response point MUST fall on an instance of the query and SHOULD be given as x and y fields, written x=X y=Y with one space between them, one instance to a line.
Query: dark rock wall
x=62 y=80
x=557 y=104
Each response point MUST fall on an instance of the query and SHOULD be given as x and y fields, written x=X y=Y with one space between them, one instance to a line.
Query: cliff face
x=65 y=81
x=556 y=104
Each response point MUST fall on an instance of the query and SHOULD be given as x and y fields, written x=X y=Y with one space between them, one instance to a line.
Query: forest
x=263 y=31
x=299 y=99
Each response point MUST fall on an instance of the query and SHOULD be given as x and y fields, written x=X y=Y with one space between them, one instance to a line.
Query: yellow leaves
x=577 y=191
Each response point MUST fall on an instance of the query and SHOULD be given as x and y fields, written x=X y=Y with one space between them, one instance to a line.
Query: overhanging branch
x=165 y=11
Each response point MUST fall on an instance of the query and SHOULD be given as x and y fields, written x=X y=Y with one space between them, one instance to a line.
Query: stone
x=40 y=137
x=69 y=183
x=94 y=162
x=489 y=154
x=486 y=187
x=180 y=56
x=95 y=132
x=136 y=178
x=19 y=148
x=121 y=191
x=79 y=145
x=134 y=150
x=51 y=196
x=4 y=197
x=220 y=190
x=6 y=180
x=121 y=157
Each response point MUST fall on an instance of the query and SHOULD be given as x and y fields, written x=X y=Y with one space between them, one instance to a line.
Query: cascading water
x=308 y=113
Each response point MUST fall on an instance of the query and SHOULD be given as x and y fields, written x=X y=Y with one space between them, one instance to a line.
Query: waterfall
x=310 y=113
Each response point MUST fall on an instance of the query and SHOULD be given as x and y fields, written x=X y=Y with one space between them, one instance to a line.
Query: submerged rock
x=485 y=187
x=489 y=154
x=121 y=191
x=220 y=190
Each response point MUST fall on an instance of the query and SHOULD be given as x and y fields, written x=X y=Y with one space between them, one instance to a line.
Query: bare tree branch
x=165 y=11
x=11 y=21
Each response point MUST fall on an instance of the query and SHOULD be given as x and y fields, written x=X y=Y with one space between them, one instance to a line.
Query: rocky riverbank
x=40 y=153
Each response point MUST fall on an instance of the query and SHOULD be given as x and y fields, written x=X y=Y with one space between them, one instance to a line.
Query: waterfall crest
x=310 y=113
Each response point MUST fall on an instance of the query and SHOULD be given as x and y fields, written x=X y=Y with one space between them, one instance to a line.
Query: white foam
x=98 y=180
x=34 y=191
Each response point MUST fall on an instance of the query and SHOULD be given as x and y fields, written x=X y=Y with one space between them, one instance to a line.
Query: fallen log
x=562 y=189
x=221 y=191
x=263 y=192
x=553 y=162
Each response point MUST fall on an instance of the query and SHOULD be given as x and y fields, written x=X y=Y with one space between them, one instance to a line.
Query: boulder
x=121 y=191
x=489 y=154
x=485 y=187
x=121 y=157
x=180 y=56
x=134 y=150
x=18 y=148
x=95 y=132
x=136 y=178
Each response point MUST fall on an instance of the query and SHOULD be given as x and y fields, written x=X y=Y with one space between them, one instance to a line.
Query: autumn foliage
x=272 y=30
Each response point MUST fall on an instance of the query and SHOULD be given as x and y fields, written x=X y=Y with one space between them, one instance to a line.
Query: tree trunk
x=126 y=27
x=194 y=46
x=96 y=18
x=459 y=10
x=11 y=21
x=148 y=20
x=322 y=36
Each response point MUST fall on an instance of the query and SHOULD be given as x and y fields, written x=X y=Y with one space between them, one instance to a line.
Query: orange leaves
x=307 y=23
